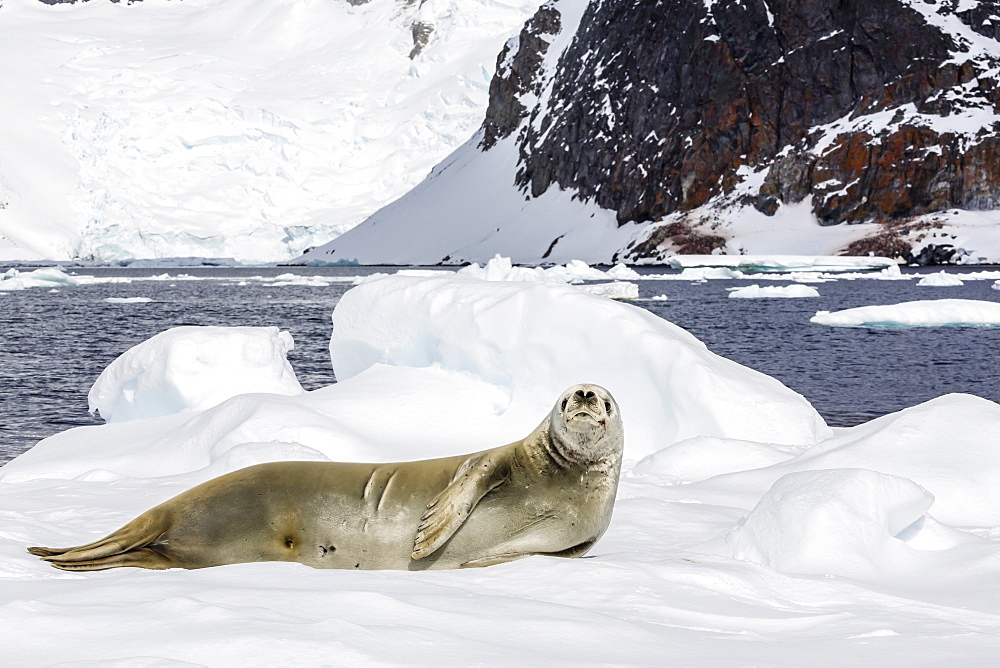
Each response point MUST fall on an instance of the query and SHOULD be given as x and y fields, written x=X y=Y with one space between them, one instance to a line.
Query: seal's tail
x=133 y=545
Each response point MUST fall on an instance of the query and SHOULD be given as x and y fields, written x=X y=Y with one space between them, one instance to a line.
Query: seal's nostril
x=580 y=394
x=589 y=395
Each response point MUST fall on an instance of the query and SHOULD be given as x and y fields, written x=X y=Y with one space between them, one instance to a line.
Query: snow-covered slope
x=631 y=131
x=251 y=129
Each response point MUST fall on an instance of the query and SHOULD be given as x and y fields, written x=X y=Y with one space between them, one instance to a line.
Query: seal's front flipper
x=446 y=512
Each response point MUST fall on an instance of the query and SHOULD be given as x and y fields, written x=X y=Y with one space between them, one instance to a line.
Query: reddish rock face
x=655 y=106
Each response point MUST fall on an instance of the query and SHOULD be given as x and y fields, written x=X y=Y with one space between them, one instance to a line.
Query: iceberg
x=922 y=313
x=47 y=277
x=532 y=340
x=193 y=368
x=940 y=280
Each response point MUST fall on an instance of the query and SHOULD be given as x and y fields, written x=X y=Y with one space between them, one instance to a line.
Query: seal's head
x=586 y=425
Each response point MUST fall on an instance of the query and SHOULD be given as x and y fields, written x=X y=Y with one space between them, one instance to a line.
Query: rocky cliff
x=879 y=110
x=702 y=124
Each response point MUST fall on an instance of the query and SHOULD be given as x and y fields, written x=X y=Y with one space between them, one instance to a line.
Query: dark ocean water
x=55 y=344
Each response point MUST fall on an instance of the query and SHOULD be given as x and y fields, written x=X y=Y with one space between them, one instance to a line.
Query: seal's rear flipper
x=120 y=548
x=46 y=551
x=142 y=558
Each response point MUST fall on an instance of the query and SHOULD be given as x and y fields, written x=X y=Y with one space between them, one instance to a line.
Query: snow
x=773 y=291
x=192 y=368
x=922 y=313
x=562 y=336
x=940 y=280
x=249 y=130
x=443 y=220
x=746 y=533
x=847 y=522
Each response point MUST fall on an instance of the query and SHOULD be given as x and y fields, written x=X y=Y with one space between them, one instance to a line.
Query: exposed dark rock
x=655 y=108
x=933 y=255
x=884 y=244
x=421 y=35
x=682 y=238
x=518 y=74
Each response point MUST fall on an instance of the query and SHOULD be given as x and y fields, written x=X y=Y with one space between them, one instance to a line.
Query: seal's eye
x=607 y=406
x=563 y=407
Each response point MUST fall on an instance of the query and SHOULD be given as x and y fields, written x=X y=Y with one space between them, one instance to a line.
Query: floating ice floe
x=46 y=277
x=754 y=521
x=922 y=313
x=613 y=290
x=193 y=368
x=128 y=300
x=49 y=277
x=940 y=280
x=576 y=271
x=772 y=291
x=297 y=280
x=783 y=263
x=502 y=269
x=996 y=285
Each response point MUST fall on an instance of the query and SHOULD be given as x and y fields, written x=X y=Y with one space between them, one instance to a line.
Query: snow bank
x=532 y=340
x=47 y=277
x=704 y=457
x=944 y=445
x=940 y=280
x=773 y=291
x=849 y=522
x=922 y=313
x=191 y=369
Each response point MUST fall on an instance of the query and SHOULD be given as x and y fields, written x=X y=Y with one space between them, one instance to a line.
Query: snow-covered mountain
x=251 y=129
x=635 y=129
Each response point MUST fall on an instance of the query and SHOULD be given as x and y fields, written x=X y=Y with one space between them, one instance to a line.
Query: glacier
x=251 y=130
